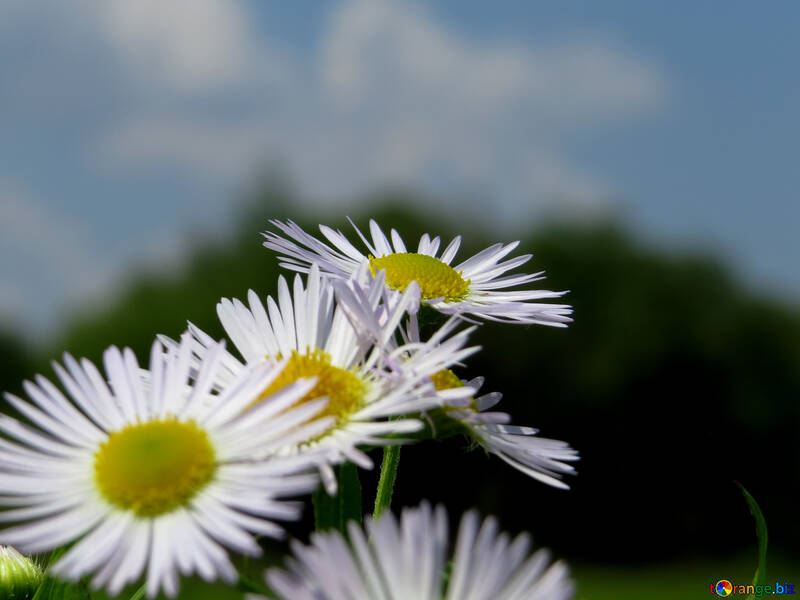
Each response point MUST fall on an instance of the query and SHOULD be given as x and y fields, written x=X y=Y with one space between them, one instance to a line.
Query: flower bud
x=19 y=575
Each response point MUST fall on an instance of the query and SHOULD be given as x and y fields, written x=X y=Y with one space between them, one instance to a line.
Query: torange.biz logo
x=725 y=588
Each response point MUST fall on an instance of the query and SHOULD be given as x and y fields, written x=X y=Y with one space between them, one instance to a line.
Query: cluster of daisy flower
x=158 y=472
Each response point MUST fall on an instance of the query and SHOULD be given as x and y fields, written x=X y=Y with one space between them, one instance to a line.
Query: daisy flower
x=407 y=559
x=474 y=287
x=151 y=475
x=366 y=394
x=540 y=458
x=543 y=459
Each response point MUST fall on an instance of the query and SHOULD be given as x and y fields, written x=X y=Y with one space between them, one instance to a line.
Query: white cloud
x=50 y=257
x=167 y=142
x=428 y=100
x=392 y=95
x=396 y=97
x=195 y=93
x=187 y=45
x=31 y=232
x=398 y=54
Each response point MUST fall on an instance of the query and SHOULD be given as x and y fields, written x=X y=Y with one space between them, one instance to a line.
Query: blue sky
x=127 y=127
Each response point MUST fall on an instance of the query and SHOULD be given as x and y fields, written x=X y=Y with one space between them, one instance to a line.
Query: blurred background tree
x=15 y=360
x=672 y=382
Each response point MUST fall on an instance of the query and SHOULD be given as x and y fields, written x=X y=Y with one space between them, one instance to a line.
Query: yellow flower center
x=153 y=468
x=345 y=390
x=435 y=279
x=447 y=380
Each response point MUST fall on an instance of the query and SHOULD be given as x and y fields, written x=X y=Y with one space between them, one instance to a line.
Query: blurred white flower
x=407 y=559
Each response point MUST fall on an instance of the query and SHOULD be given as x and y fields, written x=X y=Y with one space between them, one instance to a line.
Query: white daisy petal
x=341 y=242
x=81 y=399
x=372 y=249
x=397 y=241
x=424 y=244
x=450 y=252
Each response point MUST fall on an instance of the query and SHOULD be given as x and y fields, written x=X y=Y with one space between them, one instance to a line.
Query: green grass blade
x=139 y=594
x=54 y=589
x=53 y=557
x=246 y=584
x=761 y=533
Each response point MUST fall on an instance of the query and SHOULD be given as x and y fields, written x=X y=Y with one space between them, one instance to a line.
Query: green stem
x=246 y=585
x=383 y=499
x=139 y=594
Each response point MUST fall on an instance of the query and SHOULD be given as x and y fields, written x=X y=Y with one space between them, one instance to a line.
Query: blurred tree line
x=672 y=382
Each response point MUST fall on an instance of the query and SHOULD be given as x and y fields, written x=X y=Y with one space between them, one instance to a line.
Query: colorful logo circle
x=723 y=587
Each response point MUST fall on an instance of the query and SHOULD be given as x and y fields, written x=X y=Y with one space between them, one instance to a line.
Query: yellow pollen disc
x=447 y=380
x=154 y=468
x=435 y=279
x=345 y=391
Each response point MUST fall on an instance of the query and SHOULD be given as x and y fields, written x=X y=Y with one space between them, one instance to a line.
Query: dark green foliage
x=15 y=363
x=673 y=380
x=334 y=512
x=55 y=589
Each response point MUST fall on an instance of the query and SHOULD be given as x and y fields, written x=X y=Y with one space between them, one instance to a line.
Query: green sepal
x=440 y=425
x=429 y=320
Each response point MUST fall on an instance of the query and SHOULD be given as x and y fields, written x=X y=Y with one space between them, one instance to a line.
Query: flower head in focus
x=369 y=396
x=406 y=558
x=147 y=473
x=475 y=287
